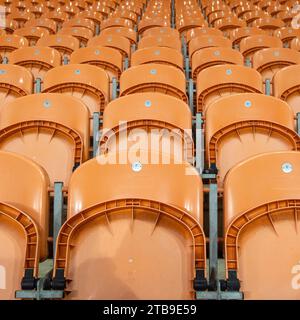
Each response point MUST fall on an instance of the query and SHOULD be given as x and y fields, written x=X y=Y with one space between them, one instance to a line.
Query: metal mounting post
x=96 y=117
x=57 y=211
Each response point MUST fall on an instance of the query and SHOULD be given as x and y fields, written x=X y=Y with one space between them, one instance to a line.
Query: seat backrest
x=268 y=24
x=202 y=31
x=261 y=229
x=268 y=61
x=249 y=124
x=144 y=217
x=156 y=77
x=36 y=59
x=55 y=132
x=159 y=31
x=24 y=220
x=287 y=34
x=286 y=85
x=169 y=41
x=63 y=43
x=128 y=33
x=162 y=55
x=238 y=34
x=209 y=57
x=221 y=80
x=116 y=22
x=108 y=59
x=11 y=42
x=46 y=23
x=81 y=33
x=120 y=43
x=80 y=22
x=295 y=44
x=251 y=44
x=88 y=83
x=15 y=82
x=157 y=119
x=32 y=34
x=202 y=42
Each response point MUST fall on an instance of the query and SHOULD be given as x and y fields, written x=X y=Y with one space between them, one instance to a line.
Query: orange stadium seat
x=249 y=124
x=81 y=33
x=160 y=41
x=260 y=231
x=182 y=256
x=156 y=77
x=11 y=42
x=24 y=222
x=55 y=132
x=32 y=34
x=218 y=81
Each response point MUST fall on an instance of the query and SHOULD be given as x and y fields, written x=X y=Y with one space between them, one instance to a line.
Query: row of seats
x=122 y=200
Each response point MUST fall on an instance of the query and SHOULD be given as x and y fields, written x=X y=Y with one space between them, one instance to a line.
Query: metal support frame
x=187 y=67
x=184 y=46
x=58 y=208
x=268 y=87
x=126 y=63
x=173 y=14
x=199 y=143
x=114 y=88
x=219 y=295
x=213 y=234
x=133 y=48
x=298 y=122
x=190 y=88
x=96 y=118
x=97 y=31
x=248 y=62
x=39 y=293
x=5 y=60
x=38 y=85
x=65 y=60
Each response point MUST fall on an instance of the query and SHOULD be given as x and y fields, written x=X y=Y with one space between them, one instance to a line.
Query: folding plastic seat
x=209 y=57
x=251 y=44
x=108 y=59
x=38 y=10
x=15 y=81
x=71 y=11
x=81 y=33
x=163 y=55
x=116 y=22
x=184 y=25
x=156 y=78
x=213 y=8
x=103 y=10
x=287 y=17
x=295 y=44
x=50 y=128
x=86 y=82
x=238 y=34
x=24 y=221
x=158 y=116
x=147 y=23
x=252 y=16
x=160 y=41
x=63 y=43
x=58 y=16
x=95 y=16
x=249 y=124
x=135 y=232
x=286 y=85
x=275 y=8
x=268 y=24
x=202 y=42
x=119 y=43
x=10 y=26
x=222 y=80
x=202 y=31
x=126 y=14
x=268 y=61
x=265 y=4
x=21 y=17
x=46 y=23
x=38 y=60
x=32 y=34
x=241 y=10
x=286 y=35
x=11 y=42
x=216 y=16
x=80 y=22
x=228 y=24
x=261 y=240
x=130 y=34
x=159 y=31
